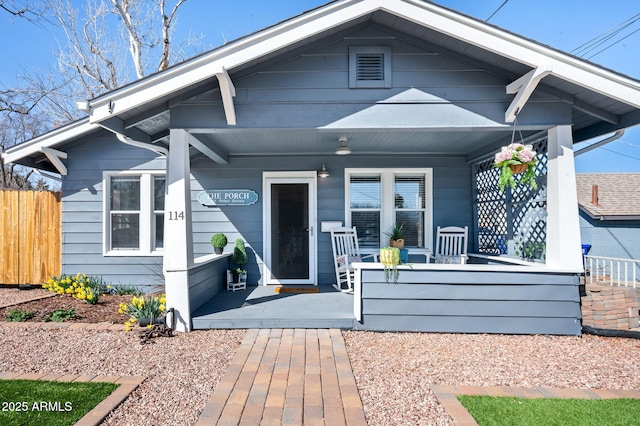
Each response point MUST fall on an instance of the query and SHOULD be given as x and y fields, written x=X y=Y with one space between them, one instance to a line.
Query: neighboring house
x=610 y=213
x=421 y=96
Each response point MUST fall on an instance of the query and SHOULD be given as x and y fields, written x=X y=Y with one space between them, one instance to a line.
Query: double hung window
x=134 y=213
x=377 y=199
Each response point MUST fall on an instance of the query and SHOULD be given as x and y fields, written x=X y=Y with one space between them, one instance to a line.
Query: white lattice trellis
x=513 y=222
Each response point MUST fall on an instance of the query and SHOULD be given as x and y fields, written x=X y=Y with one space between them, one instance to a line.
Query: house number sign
x=228 y=197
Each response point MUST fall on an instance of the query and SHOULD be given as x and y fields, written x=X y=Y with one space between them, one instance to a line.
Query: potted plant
x=239 y=258
x=532 y=250
x=218 y=241
x=396 y=236
x=513 y=159
x=390 y=258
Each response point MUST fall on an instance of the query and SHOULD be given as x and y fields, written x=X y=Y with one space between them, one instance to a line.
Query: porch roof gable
x=567 y=75
x=311 y=24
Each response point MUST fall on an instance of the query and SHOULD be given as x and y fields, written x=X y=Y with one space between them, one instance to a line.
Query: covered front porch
x=294 y=107
x=490 y=294
x=265 y=307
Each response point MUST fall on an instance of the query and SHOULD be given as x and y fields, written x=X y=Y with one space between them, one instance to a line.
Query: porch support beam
x=117 y=126
x=55 y=157
x=228 y=92
x=523 y=88
x=217 y=154
x=178 y=229
x=563 y=226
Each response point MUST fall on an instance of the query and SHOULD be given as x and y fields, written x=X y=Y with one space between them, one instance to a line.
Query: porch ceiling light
x=343 y=149
x=323 y=173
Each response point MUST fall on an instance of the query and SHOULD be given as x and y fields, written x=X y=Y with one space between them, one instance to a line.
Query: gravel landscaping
x=392 y=370
x=12 y=296
x=181 y=371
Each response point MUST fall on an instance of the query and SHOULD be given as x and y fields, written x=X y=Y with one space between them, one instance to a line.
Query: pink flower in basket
x=515 y=154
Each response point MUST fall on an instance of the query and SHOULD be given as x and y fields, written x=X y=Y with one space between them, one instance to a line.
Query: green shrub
x=61 y=315
x=240 y=253
x=124 y=290
x=18 y=315
x=219 y=240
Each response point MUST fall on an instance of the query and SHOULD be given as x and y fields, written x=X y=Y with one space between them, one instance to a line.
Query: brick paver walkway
x=287 y=377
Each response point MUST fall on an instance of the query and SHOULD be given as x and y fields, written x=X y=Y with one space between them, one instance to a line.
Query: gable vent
x=370 y=67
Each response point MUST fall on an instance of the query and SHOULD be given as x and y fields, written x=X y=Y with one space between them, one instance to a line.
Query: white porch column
x=563 y=226
x=178 y=238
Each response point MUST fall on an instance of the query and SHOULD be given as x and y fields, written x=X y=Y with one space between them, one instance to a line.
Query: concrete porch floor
x=261 y=307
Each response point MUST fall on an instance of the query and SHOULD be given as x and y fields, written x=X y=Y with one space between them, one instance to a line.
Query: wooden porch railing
x=30 y=236
x=612 y=270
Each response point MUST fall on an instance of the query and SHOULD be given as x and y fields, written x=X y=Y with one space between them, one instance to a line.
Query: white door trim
x=307 y=177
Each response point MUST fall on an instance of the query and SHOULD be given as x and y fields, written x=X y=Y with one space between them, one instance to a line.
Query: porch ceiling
x=319 y=142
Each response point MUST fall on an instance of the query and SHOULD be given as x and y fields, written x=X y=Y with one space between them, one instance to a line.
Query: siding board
x=466 y=324
x=472 y=301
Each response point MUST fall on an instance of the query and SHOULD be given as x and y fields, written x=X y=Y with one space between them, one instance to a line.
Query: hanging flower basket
x=514 y=159
x=516 y=169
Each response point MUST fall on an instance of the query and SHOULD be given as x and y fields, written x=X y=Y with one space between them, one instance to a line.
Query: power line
x=591 y=45
x=613 y=44
x=614 y=29
x=497 y=10
x=629 y=143
x=624 y=155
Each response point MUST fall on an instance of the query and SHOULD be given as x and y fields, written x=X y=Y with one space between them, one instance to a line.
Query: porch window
x=409 y=193
x=134 y=213
x=378 y=199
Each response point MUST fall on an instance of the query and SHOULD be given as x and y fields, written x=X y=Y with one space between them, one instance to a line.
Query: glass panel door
x=290 y=231
x=289 y=228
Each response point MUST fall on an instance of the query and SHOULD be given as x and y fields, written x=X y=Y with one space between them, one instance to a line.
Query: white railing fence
x=612 y=270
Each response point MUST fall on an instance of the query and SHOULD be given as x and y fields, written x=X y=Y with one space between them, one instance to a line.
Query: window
x=378 y=199
x=134 y=213
x=369 y=67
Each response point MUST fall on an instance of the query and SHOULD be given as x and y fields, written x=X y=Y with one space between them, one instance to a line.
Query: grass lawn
x=489 y=410
x=39 y=402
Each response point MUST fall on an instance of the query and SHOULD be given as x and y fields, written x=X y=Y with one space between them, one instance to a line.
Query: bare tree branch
x=30 y=10
x=97 y=54
x=123 y=8
x=166 y=39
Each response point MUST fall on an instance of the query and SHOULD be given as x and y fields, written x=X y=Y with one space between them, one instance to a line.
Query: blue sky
x=562 y=24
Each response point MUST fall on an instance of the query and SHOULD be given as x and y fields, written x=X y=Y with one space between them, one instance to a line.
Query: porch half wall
x=471 y=301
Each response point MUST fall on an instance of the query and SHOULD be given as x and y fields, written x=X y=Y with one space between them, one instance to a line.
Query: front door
x=290 y=228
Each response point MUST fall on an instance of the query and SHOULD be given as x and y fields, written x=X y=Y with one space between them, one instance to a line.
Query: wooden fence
x=30 y=236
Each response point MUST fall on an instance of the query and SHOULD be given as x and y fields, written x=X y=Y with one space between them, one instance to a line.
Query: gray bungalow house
x=610 y=213
x=420 y=97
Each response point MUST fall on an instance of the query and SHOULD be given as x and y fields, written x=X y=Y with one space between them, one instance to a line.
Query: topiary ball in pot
x=218 y=241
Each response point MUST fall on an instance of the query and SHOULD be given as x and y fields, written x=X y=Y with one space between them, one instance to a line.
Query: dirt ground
x=106 y=310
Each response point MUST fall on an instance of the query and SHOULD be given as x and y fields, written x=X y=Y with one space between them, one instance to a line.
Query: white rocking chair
x=346 y=250
x=451 y=245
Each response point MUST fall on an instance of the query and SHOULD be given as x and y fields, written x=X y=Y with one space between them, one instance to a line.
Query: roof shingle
x=618 y=195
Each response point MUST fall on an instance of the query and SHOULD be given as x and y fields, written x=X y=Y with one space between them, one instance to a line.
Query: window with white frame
x=377 y=199
x=134 y=213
